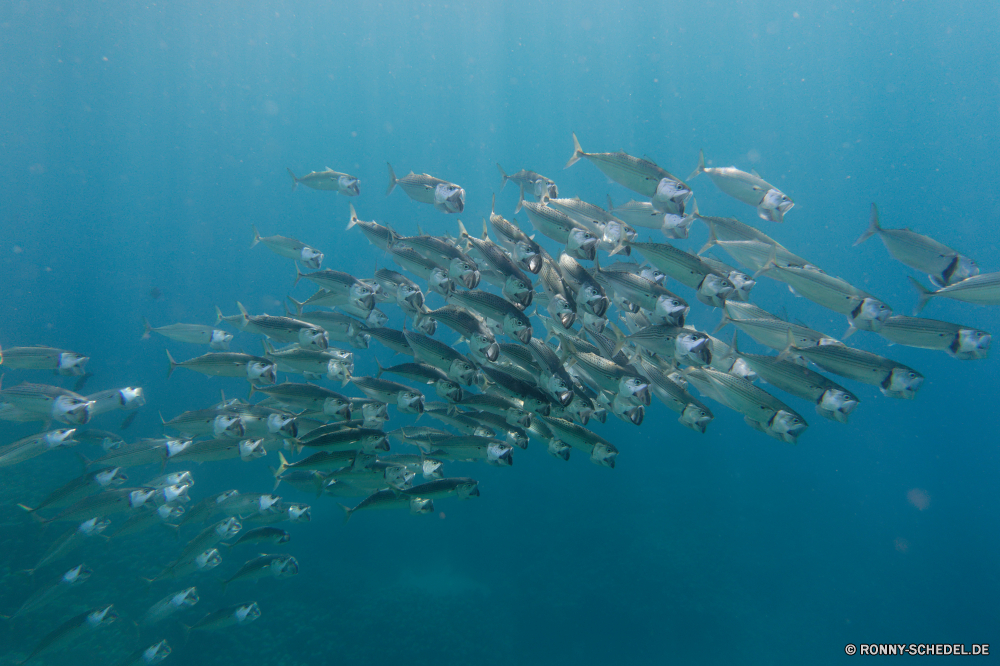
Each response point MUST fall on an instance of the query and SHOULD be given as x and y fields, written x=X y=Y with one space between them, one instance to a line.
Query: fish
x=982 y=289
x=260 y=535
x=470 y=448
x=49 y=593
x=104 y=504
x=35 y=445
x=256 y=369
x=378 y=235
x=80 y=487
x=959 y=342
x=200 y=563
x=153 y=654
x=65 y=363
x=72 y=629
x=334 y=364
x=365 y=439
x=226 y=448
x=481 y=340
x=406 y=399
x=446 y=197
x=614 y=234
x=644 y=214
x=128 y=399
x=667 y=192
x=46 y=402
x=516 y=286
x=197 y=334
x=310 y=397
x=864 y=312
x=462 y=487
x=761 y=410
x=529 y=181
x=894 y=379
x=232 y=616
x=712 y=288
x=513 y=322
x=771 y=203
x=426 y=374
x=69 y=540
x=275 y=566
x=560 y=227
x=163 y=515
x=442 y=356
x=601 y=451
x=108 y=441
x=290 y=248
x=209 y=507
x=446 y=256
x=943 y=265
x=525 y=252
x=390 y=499
x=663 y=305
x=338 y=327
x=692 y=413
x=329 y=180
x=285 y=329
x=832 y=400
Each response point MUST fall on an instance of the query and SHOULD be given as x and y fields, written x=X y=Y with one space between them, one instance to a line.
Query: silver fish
x=330 y=180
x=446 y=197
x=65 y=363
x=760 y=409
x=289 y=247
x=982 y=289
x=529 y=181
x=943 y=265
x=667 y=192
x=958 y=341
x=771 y=203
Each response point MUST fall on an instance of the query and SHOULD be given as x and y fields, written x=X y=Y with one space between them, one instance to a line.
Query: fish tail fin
x=148 y=331
x=295 y=181
x=771 y=263
x=392 y=180
x=354 y=218
x=219 y=318
x=725 y=321
x=493 y=205
x=873 y=227
x=486 y=231
x=298 y=306
x=173 y=364
x=789 y=348
x=502 y=175
x=347 y=512
x=520 y=201
x=380 y=368
x=256 y=235
x=243 y=310
x=611 y=206
x=925 y=294
x=298 y=274
x=701 y=165
x=577 y=153
x=713 y=240
x=462 y=231
x=281 y=467
x=27 y=508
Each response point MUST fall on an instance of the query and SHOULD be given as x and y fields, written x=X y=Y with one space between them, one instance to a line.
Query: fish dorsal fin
x=754 y=173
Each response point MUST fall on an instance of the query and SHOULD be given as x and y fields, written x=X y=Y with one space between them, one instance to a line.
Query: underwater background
x=140 y=141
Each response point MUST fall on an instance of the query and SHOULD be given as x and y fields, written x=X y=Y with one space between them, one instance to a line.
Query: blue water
x=139 y=142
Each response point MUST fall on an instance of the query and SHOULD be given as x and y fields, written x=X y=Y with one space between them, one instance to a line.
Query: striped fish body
x=832 y=400
x=761 y=409
x=893 y=379
x=958 y=341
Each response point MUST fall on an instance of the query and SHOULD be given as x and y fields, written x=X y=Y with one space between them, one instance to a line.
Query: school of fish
x=514 y=332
